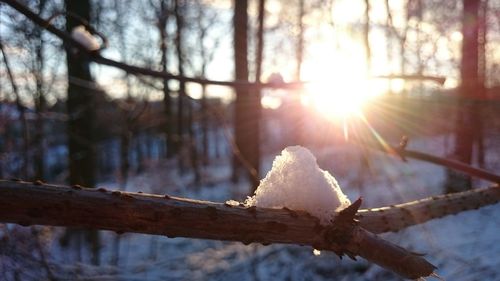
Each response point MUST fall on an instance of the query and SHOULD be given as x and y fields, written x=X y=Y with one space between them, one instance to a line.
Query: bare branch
x=452 y=164
x=37 y=203
x=10 y=75
x=438 y=79
x=397 y=217
x=135 y=70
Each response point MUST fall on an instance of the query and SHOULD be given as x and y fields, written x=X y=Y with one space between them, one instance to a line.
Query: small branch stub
x=342 y=229
x=353 y=240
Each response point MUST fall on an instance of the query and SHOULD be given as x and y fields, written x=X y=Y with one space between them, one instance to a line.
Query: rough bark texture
x=37 y=203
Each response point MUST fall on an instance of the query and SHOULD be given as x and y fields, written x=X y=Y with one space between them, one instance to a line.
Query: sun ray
x=377 y=136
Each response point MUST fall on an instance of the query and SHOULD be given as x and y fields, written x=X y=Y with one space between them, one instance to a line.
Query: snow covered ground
x=464 y=247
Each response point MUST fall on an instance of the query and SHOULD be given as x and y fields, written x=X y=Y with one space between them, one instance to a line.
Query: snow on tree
x=298 y=183
x=85 y=38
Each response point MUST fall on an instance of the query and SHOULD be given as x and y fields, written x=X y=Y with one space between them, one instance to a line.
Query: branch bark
x=398 y=217
x=37 y=203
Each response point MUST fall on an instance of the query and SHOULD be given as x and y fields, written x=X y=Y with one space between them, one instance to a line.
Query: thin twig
x=448 y=163
x=438 y=79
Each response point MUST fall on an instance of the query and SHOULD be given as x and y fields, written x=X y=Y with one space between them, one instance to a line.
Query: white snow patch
x=295 y=181
x=84 y=37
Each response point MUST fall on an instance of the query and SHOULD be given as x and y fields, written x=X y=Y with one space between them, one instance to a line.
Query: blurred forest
x=232 y=84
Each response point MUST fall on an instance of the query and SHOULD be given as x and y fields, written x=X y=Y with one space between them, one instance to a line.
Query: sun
x=339 y=85
x=338 y=99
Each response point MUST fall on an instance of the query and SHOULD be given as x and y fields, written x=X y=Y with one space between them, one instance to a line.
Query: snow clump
x=84 y=37
x=295 y=181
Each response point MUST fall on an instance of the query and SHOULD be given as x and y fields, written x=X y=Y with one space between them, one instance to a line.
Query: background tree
x=22 y=116
x=37 y=80
x=431 y=47
x=471 y=89
x=205 y=21
x=81 y=107
x=163 y=13
x=247 y=104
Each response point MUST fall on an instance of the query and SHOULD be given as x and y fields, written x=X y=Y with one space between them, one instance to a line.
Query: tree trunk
x=39 y=139
x=40 y=109
x=81 y=107
x=167 y=99
x=40 y=103
x=178 y=7
x=193 y=149
x=204 y=124
x=366 y=37
x=22 y=115
x=247 y=104
x=483 y=29
x=39 y=100
x=470 y=88
x=389 y=45
x=300 y=40
x=260 y=41
x=125 y=137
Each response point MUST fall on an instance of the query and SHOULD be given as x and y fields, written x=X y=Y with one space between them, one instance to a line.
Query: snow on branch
x=85 y=38
x=37 y=203
x=297 y=182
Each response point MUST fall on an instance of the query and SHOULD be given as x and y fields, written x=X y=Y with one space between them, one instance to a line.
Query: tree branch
x=397 y=217
x=452 y=164
x=135 y=70
x=26 y=203
x=37 y=203
x=438 y=79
